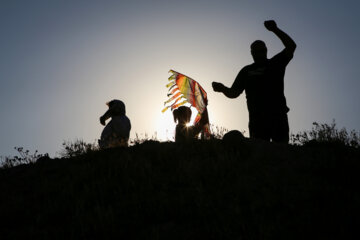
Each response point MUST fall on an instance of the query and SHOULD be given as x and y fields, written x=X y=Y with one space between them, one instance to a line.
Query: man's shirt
x=264 y=85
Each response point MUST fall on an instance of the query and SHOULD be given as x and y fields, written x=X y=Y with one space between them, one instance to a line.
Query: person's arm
x=204 y=118
x=236 y=89
x=196 y=129
x=289 y=44
x=105 y=117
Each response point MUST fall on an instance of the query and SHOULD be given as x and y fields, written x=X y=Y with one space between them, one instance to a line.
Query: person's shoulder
x=244 y=72
x=179 y=129
x=121 y=119
x=126 y=118
x=247 y=67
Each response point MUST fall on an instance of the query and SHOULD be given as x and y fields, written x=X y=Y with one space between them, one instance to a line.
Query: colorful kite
x=181 y=87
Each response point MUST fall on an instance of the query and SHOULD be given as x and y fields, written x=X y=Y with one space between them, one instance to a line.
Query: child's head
x=116 y=107
x=182 y=115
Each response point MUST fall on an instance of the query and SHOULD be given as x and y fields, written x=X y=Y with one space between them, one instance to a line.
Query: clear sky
x=60 y=61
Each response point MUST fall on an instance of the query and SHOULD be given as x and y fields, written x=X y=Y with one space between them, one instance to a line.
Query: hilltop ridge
x=200 y=190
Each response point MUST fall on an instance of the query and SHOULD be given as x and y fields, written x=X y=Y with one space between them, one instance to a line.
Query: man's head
x=258 y=51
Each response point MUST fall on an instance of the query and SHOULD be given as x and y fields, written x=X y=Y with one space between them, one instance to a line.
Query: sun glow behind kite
x=165 y=125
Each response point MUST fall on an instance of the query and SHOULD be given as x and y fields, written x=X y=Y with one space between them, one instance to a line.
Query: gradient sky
x=60 y=61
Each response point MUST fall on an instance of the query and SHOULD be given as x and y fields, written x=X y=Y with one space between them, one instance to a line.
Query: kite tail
x=172 y=83
x=178 y=105
x=173 y=97
x=164 y=110
x=173 y=91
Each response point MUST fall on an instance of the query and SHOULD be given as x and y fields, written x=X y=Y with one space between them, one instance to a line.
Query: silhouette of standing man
x=263 y=82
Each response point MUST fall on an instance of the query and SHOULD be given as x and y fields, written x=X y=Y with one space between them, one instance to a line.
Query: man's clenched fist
x=270 y=25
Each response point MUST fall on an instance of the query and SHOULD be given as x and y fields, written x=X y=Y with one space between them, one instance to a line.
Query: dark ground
x=201 y=190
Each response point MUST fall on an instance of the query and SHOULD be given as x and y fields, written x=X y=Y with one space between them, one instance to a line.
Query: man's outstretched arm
x=289 y=44
x=229 y=92
x=233 y=92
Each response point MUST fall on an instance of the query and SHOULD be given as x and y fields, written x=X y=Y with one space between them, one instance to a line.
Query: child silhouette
x=116 y=132
x=183 y=132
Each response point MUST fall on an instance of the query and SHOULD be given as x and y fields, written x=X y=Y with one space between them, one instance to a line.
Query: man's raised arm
x=289 y=44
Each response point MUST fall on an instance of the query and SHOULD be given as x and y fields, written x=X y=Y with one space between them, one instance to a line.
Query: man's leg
x=280 y=128
x=258 y=128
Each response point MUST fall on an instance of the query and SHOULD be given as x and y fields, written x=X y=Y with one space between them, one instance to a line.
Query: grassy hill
x=199 y=190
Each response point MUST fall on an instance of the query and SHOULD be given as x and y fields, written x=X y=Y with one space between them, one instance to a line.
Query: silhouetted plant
x=76 y=148
x=217 y=132
x=25 y=157
x=140 y=138
x=327 y=133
